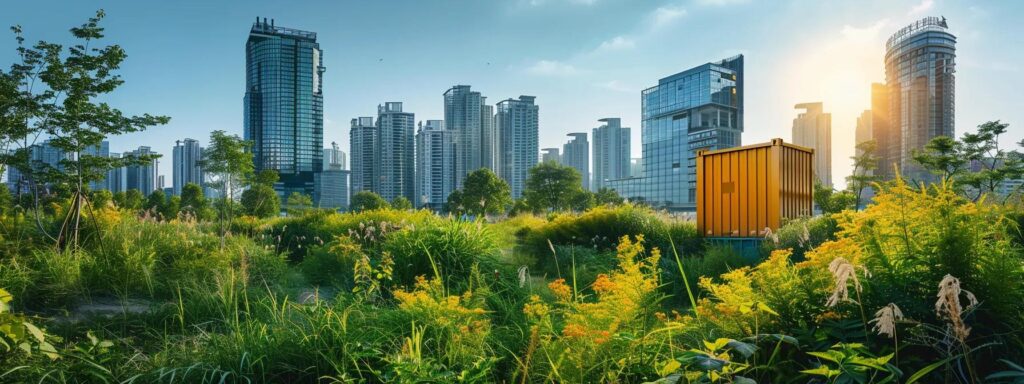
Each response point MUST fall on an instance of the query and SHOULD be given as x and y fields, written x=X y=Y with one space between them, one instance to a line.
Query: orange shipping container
x=743 y=191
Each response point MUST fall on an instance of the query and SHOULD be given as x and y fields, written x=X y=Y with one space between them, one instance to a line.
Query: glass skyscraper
x=467 y=114
x=700 y=108
x=919 y=75
x=517 y=125
x=284 y=104
x=143 y=177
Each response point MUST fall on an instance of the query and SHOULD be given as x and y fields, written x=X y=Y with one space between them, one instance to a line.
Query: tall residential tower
x=612 y=144
x=517 y=125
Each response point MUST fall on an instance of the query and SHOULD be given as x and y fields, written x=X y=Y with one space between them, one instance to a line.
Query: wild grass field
x=921 y=286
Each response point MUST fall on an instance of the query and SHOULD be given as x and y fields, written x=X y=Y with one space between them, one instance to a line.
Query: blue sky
x=583 y=59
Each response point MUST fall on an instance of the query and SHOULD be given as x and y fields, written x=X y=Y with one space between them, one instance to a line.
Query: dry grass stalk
x=948 y=305
x=885 y=320
x=843 y=272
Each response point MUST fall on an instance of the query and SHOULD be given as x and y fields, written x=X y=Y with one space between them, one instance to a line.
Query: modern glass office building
x=284 y=104
x=700 y=108
x=396 y=130
x=517 y=125
x=920 y=74
x=812 y=128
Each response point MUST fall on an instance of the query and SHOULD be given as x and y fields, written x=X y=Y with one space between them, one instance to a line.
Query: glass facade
x=700 y=108
x=284 y=104
x=919 y=74
x=435 y=165
x=517 y=125
x=396 y=130
x=363 y=141
x=462 y=114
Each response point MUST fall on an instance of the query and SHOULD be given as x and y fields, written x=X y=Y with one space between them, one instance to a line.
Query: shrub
x=450 y=249
x=802 y=234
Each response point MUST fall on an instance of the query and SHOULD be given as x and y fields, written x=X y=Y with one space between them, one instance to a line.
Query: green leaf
x=669 y=367
x=827 y=355
x=35 y=331
x=822 y=371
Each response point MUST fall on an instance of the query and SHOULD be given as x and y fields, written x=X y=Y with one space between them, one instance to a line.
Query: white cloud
x=551 y=68
x=537 y=3
x=864 y=34
x=667 y=14
x=922 y=8
x=617 y=86
x=720 y=2
x=617 y=43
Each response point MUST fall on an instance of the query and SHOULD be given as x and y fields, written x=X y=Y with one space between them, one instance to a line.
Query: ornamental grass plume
x=843 y=272
x=885 y=320
x=948 y=305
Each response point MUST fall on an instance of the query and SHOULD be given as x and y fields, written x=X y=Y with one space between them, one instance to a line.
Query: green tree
x=261 y=200
x=228 y=161
x=101 y=198
x=551 y=186
x=155 y=202
x=171 y=208
x=401 y=203
x=132 y=200
x=193 y=202
x=995 y=164
x=865 y=162
x=367 y=201
x=830 y=201
x=57 y=93
x=607 y=196
x=482 y=193
x=582 y=200
x=298 y=203
x=942 y=156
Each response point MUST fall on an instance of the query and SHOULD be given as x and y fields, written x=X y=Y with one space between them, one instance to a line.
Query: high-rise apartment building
x=612 y=149
x=365 y=174
x=396 y=134
x=471 y=119
x=331 y=185
x=700 y=108
x=488 y=136
x=576 y=154
x=550 y=155
x=517 y=124
x=919 y=74
x=283 y=105
x=435 y=164
x=185 y=164
x=143 y=177
x=813 y=129
x=101 y=150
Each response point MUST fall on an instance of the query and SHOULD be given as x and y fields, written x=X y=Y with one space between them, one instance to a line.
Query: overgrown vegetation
x=924 y=284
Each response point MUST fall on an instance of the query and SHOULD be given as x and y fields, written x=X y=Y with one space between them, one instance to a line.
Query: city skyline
x=834 y=58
